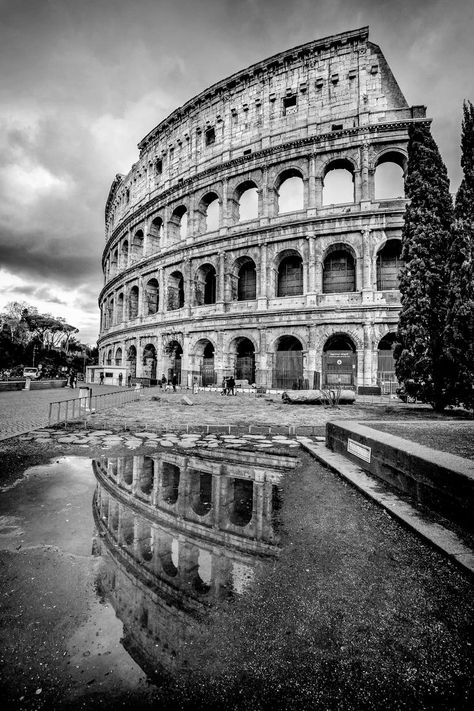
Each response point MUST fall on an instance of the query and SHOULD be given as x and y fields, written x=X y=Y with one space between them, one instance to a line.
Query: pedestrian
x=101 y=376
x=224 y=386
x=120 y=379
x=231 y=385
x=129 y=380
x=174 y=381
x=163 y=381
x=73 y=379
x=195 y=386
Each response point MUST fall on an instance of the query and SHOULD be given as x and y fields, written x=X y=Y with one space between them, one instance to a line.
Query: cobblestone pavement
x=25 y=410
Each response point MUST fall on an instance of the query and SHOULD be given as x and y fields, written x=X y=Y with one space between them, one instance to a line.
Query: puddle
x=161 y=538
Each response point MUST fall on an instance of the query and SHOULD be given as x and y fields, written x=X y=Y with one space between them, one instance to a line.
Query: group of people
x=71 y=379
x=168 y=383
x=228 y=385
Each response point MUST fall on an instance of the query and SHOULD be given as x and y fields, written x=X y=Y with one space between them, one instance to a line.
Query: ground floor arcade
x=359 y=357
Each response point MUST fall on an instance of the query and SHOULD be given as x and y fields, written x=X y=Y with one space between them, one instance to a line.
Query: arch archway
x=338 y=182
x=132 y=361
x=155 y=235
x=246 y=202
x=120 y=308
x=124 y=254
x=137 y=245
x=290 y=192
x=200 y=489
x=242 y=350
x=386 y=377
x=178 y=224
x=204 y=362
x=146 y=476
x=174 y=354
x=288 y=370
x=170 y=483
x=339 y=272
x=389 y=177
x=175 y=291
x=118 y=356
x=152 y=297
x=389 y=263
x=149 y=363
x=290 y=274
x=339 y=362
x=205 y=281
x=208 y=213
x=241 y=508
x=133 y=302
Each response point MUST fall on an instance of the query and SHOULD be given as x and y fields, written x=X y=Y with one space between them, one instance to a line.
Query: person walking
x=231 y=385
x=224 y=386
x=101 y=376
x=174 y=381
x=129 y=380
x=163 y=381
x=120 y=379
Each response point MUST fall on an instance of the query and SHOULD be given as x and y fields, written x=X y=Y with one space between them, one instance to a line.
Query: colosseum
x=258 y=234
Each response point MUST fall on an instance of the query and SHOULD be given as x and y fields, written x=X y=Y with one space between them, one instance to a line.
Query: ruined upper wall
x=335 y=83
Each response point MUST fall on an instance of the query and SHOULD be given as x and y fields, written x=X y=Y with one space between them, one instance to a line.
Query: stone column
x=312 y=183
x=223 y=221
x=367 y=365
x=161 y=291
x=192 y=218
x=364 y=172
x=262 y=281
x=137 y=469
x=318 y=192
x=366 y=264
x=258 y=506
x=188 y=286
x=216 y=500
x=318 y=269
x=263 y=197
x=221 y=278
x=141 y=298
x=157 y=481
x=311 y=266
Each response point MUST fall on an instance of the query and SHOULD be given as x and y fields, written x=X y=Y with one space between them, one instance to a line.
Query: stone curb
x=438 y=536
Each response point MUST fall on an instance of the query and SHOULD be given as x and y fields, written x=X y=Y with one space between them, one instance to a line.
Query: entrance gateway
x=339 y=363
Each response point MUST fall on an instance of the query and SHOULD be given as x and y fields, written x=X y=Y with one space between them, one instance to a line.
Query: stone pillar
x=364 y=173
x=223 y=207
x=262 y=281
x=157 y=481
x=258 y=503
x=318 y=269
x=318 y=192
x=368 y=359
x=216 y=500
x=366 y=264
x=311 y=266
x=166 y=217
x=263 y=197
x=192 y=218
x=221 y=278
x=141 y=298
x=137 y=470
x=186 y=369
x=312 y=183
x=161 y=291
x=188 y=286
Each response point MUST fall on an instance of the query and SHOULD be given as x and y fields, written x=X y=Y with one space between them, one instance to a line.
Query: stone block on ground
x=186 y=401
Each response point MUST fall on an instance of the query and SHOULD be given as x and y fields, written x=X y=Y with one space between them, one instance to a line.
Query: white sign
x=359 y=450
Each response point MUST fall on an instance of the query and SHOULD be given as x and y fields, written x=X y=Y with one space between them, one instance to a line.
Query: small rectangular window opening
x=210 y=136
x=247 y=152
x=337 y=127
x=159 y=166
x=289 y=105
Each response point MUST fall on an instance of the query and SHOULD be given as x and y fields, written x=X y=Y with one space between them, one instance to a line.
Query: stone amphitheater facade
x=252 y=237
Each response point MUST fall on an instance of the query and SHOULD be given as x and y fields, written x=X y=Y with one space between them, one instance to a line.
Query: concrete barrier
x=8 y=385
x=440 y=481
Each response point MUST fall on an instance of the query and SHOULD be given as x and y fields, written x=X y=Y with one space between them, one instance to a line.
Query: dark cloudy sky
x=82 y=81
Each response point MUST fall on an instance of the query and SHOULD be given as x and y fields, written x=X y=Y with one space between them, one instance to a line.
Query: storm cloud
x=83 y=82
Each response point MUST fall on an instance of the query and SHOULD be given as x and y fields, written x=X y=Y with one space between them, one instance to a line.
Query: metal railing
x=78 y=408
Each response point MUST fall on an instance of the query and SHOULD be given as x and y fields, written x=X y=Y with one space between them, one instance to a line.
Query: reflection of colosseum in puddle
x=179 y=533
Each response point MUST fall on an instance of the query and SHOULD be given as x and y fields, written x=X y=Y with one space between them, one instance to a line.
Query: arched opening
x=174 y=352
x=390 y=176
x=246 y=199
x=389 y=264
x=132 y=361
x=202 y=582
x=338 y=183
x=205 y=285
x=133 y=302
x=290 y=274
x=386 y=377
x=241 y=508
x=175 y=291
x=205 y=356
x=137 y=245
x=246 y=280
x=127 y=471
x=147 y=474
x=339 y=362
x=200 y=492
x=288 y=370
x=109 y=357
x=127 y=529
x=124 y=254
x=110 y=313
x=178 y=224
x=208 y=212
x=244 y=366
x=339 y=274
x=145 y=543
x=118 y=356
x=149 y=363
x=170 y=483
x=151 y=297
x=290 y=192
x=120 y=308
x=168 y=553
x=155 y=235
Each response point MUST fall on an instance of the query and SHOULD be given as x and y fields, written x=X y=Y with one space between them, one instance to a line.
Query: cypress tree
x=460 y=330
x=421 y=349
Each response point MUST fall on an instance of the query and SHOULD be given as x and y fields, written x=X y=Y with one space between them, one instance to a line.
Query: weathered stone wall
x=328 y=105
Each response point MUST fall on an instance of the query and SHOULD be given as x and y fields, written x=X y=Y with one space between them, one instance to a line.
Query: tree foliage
x=460 y=325
x=421 y=350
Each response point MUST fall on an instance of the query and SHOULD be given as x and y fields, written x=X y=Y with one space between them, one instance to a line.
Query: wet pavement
x=213 y=572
